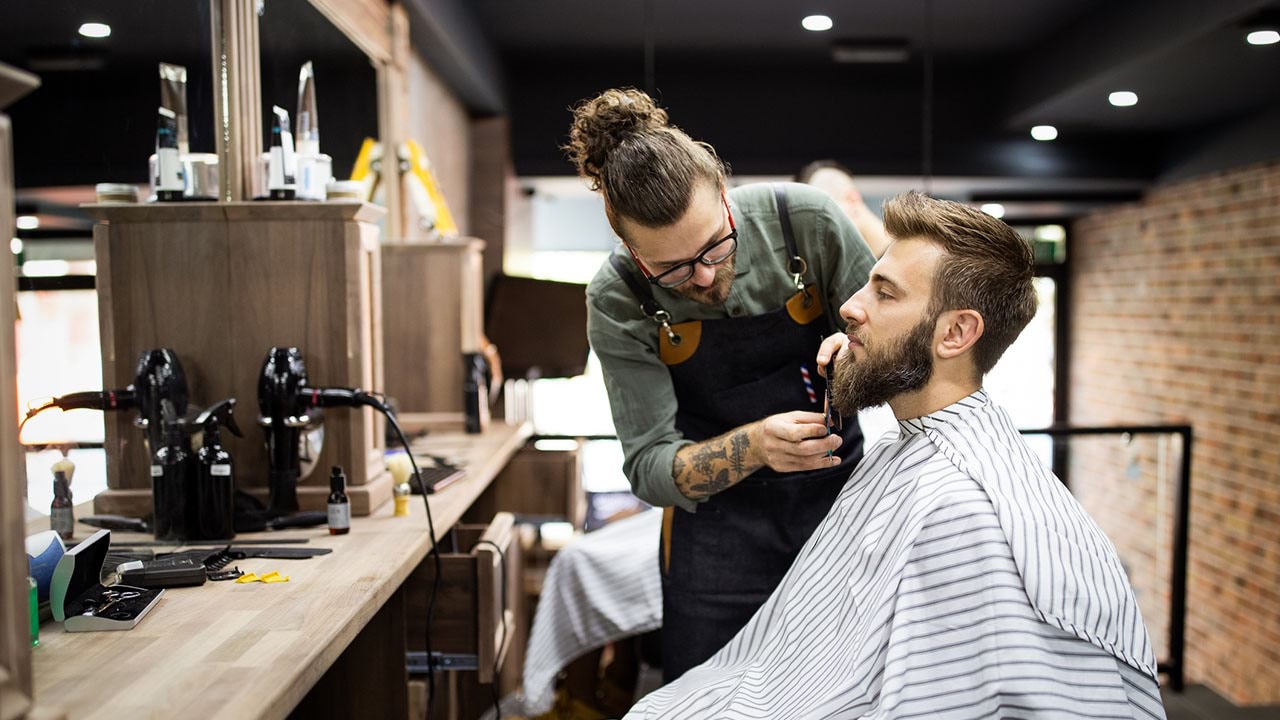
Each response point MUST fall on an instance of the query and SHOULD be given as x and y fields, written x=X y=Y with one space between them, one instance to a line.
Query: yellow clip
x=247 y=578
x=274 y=577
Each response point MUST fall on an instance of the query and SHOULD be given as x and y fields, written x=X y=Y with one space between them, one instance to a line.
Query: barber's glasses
x=713 y=254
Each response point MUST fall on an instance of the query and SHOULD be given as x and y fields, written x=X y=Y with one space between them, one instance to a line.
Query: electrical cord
x=377 y=404
x=34 y=410
x=497 y=656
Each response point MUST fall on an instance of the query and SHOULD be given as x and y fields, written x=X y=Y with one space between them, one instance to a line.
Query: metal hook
x=798 y=268
x=663 y=318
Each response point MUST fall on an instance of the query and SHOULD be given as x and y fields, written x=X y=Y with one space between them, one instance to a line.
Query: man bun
x=604 y=122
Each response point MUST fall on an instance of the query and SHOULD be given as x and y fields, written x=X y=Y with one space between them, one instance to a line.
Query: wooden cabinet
x=433 y=313
x=222 y=283
x=479 y=598
x=542 y=483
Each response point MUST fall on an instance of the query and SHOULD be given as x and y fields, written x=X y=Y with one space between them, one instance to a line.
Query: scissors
x=112 y=597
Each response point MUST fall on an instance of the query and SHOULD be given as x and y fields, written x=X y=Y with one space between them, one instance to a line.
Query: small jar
x=116 y=193
x=345 y=190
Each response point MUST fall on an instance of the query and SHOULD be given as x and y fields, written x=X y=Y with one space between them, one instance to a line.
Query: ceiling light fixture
x=1123 y=98
x=995 y=210
x=1263 y=37
x=15 y=246
x=95 y=30
x=1044 y=133
x=28 y=222
x=816 y=23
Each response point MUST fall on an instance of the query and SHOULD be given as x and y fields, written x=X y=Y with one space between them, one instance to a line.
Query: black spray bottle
x=171 y=478
x=212 y=508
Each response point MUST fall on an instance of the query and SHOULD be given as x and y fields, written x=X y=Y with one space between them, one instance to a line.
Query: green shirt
x=641 y=395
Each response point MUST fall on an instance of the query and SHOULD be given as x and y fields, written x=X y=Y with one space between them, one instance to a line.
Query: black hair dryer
x=283 y=417
x=286 y=403
x=158 y=377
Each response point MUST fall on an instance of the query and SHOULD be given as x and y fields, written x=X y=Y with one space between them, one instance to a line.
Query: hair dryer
x=284 y=401
x=158 y=377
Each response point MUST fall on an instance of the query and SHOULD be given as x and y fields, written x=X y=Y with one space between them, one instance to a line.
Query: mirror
x=292 y=32
x=93 y=119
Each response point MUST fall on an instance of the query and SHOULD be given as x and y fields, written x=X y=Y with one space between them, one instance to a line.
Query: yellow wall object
x=367 y=168
x=421 y=179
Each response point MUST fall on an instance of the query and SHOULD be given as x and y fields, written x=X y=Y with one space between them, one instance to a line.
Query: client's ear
x=961 y=329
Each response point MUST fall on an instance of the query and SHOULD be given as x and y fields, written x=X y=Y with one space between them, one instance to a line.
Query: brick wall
x=1176 y=318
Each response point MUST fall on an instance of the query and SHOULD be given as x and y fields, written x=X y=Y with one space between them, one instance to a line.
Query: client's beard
x=905 y=365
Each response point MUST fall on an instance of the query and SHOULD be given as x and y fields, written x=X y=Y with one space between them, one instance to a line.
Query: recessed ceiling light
x=95 y=30
x=1123 y=98
x=1263 y=37
x=995 y=210
x=1044 y=133
x=816 y=23
x=15 y=246
x=28 y=222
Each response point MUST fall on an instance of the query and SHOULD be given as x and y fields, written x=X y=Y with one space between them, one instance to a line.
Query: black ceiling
x=93 y=119
x=744 y=76
x=740 y=74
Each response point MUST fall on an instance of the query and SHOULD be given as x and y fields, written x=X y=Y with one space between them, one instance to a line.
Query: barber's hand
x=794 y=441
x=831 y=348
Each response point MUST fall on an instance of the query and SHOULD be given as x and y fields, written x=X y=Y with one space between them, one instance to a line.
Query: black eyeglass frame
x=701 y=257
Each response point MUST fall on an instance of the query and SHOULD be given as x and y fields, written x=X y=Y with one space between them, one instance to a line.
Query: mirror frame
x=379 y=29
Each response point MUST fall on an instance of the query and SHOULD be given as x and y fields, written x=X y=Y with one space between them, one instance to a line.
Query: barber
x=708 y=321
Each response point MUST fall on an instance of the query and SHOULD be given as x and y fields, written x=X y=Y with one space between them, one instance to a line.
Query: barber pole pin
x=808 y=384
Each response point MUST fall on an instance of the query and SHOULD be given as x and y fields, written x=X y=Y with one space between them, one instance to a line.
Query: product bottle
x=212 y=515
x=171 y=479
x=169 y=180
x=339 y=506
x=475 y=392
x=281 y=164
x=33 y=608
x=62 y=518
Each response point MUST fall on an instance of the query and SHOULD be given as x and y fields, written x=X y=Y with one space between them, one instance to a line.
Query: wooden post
x=16 y=696
x=237 y=107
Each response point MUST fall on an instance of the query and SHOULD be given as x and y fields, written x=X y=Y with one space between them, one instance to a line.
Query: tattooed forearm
x=706 y=468
x=741 y=443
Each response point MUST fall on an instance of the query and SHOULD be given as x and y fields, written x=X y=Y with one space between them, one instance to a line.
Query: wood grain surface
x=221 y=284
x=224 y=650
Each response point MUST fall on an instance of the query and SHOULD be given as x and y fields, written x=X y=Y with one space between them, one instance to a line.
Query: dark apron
x=721 y=563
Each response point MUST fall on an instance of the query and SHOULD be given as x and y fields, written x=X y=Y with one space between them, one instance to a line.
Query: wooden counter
x=224 y=650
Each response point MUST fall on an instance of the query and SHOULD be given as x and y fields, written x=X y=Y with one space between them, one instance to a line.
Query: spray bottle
x=171 y=478
x=212 y=507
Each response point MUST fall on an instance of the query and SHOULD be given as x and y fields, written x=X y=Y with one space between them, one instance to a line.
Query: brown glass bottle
x=339 y=506
x=61 y=516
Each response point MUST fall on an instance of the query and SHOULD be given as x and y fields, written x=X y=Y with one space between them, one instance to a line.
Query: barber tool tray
x=82 y=603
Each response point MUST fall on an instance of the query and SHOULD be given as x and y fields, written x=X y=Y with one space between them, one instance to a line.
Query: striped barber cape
x=953 y=578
